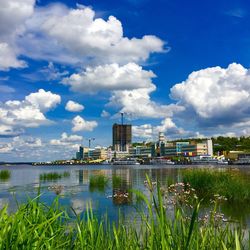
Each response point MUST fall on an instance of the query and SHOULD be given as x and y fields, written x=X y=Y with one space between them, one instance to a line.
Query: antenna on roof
x=122 y=117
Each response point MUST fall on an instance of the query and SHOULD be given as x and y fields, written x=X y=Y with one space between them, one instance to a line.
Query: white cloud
x=143 y=131
x=105 y=114
x=137 y=103
x=13 y=14
x=52 y=73
x=216 y=96
x=79 y=124
x=21 y=144
x=9 y=130
x=74 y=106
x=110 y=77
x=6 y=148
x=168 y=127
x=44 y=100
x=71 y=36
x=8 y=58
x=16 y=115
x=98 y=38
x=67 y=140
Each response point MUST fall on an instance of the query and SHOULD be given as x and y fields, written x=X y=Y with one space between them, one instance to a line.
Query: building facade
x=187 y=149
x=122 y=137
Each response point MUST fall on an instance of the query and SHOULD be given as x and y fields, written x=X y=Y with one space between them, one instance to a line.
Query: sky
x=69 y=68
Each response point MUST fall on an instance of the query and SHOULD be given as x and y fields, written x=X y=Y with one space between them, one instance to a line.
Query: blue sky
x=68 y=68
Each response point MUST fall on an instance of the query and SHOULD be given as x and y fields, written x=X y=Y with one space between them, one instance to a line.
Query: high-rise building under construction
x=122 y=137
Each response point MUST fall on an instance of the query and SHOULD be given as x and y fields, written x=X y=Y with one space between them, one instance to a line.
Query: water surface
x=75 y=193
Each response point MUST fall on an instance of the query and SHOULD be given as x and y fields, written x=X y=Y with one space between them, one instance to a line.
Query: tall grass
x=208 y=182
x=116 y=181
x=36 y=226
x=98 y=182
x=5 y=175
x=51 y=176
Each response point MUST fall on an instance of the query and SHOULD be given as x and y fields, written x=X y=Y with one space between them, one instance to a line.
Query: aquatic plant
x=116 y=181
x=208 y=182
x=5 y=175
x=38 y=226
x=98 y=182
x=53 y=176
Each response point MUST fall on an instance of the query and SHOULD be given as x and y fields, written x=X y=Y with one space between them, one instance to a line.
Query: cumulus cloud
x=11 y=28
x=167 y=126
x=60 y=34
x=67 y=140
x=143 y=131
x=16 y=115
x=72 y=106
x=137 y=103
x=8 y=58
x=110 y=77
x=43 y=100
x=98 y=38
x=216 y=96
x=79 y=124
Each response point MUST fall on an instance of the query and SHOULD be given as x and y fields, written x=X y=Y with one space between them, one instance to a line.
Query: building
x=184 y=149
x=81 y=153
x=162 y=139
x=122 y=137
x=98 y=153
x=140 y=151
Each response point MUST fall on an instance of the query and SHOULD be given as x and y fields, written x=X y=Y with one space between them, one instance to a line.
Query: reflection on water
x=74 y=190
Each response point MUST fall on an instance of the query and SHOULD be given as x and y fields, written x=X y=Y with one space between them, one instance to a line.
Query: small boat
x=156 y=161
x=207 y=159
x=126 y=161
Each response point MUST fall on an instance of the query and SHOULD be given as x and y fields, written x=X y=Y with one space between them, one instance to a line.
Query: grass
x=37 y=226
x=5 y=175
x=98 y=182
x=116 y=181
x=53 y=176
x=208 y=182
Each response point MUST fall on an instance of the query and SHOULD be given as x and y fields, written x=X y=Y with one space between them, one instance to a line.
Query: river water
x=75 y=192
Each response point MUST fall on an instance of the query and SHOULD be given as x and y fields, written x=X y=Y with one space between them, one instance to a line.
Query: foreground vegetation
x=37 y=226
x=98 y=182
x=51 y=176
x=5 y=175
x=228 y=183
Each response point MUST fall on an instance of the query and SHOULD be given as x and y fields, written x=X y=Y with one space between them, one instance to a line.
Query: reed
x=208 y=182
x=98 y=182
x=5 y=175
x=116 y=181
x=51 y=176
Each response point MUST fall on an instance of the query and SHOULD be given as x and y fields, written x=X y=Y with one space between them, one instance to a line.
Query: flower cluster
x=180 y=194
